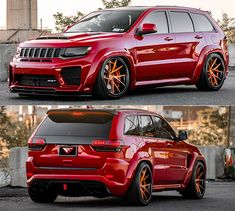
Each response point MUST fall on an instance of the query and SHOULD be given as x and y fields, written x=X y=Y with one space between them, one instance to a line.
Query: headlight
x=75 y=52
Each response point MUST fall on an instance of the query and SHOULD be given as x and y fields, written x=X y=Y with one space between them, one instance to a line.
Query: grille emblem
x=68 y=150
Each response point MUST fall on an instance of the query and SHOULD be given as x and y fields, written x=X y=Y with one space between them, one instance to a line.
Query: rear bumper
x=112 y=175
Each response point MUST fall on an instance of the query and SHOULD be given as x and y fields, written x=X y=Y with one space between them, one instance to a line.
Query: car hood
x=68 y=39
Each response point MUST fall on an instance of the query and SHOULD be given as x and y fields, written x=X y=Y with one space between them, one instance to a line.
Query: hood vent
x=52 y=38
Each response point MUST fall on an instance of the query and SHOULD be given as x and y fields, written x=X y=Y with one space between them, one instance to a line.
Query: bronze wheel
x=115 y=76
x=197 y=184
x=145 y=184
x=113 y=80
x=213 y=74
x=140 y=190
x=200 y=179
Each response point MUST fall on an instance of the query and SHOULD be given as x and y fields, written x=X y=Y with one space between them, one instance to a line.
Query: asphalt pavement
x=174 y=95
x=219 y=196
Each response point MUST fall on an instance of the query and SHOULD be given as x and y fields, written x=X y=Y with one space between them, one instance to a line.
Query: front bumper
x=58 y=77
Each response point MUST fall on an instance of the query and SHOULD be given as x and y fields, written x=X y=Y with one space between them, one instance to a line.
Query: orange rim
x=145 y=184
x=200 y=180
x=115 y=76
x=215 y=72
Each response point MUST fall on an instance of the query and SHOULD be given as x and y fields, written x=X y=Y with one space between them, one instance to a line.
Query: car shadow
x=110 y=202
x=136 y=93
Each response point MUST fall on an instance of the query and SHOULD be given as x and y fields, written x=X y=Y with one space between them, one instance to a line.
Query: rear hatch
x=66 y=138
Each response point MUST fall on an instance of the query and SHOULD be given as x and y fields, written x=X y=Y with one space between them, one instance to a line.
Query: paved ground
x=179 y=95
x=219 y=196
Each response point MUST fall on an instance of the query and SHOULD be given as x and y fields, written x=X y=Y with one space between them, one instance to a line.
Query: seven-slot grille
x=40 y=52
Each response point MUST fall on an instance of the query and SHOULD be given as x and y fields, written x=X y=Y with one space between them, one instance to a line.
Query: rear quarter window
x=201 y=23
x=76 y=123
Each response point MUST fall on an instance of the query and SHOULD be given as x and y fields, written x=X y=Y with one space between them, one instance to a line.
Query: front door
x=155 y=52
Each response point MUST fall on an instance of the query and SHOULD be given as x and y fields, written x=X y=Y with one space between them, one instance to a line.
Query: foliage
x=228 y=25
x=211 y=127
x=13 y=132
x=62 y=21
x=115 y=3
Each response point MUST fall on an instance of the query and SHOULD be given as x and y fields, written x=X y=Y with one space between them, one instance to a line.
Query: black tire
x=205 y=81
x=100 y=89
x=133 y=195
x=191 y=191
x=39 y=195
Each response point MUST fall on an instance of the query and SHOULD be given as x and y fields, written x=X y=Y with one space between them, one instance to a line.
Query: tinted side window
x=132 y=126
x=163 y=129
x=181 y=22
x=147 y=126
x=158 y=18
x=202 y=24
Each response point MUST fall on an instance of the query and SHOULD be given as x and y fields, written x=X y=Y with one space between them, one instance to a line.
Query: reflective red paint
x=109 y=167
x=145 y=59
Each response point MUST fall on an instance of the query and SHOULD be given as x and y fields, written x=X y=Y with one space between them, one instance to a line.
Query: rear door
x=155 y=148
x=68 y=137
x=173 y=153
x=188 y=43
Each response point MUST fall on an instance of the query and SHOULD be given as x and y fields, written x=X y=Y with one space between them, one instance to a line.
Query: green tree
x=210 y=128
x=228 y=25
x=115 y=3
x=13 y=132
x=62 y=21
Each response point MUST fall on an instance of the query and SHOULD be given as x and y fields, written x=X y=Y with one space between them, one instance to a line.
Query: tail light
x=106 y=146
x=36 y=144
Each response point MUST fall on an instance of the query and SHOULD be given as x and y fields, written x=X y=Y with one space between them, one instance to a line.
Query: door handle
x=168 y=39
x=198 y=37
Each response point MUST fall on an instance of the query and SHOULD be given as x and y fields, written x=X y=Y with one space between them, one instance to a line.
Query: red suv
x=110 y=51
x=124 y=153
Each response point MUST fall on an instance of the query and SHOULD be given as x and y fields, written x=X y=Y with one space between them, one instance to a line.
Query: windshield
x=107 y=21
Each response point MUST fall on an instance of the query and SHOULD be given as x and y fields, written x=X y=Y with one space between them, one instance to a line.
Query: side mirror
x=183 y=135
x=147 y=28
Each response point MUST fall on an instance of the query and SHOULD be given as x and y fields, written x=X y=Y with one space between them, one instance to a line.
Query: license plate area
x=67 y=151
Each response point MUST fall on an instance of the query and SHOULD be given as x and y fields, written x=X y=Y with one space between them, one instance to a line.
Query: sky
x=46 y=8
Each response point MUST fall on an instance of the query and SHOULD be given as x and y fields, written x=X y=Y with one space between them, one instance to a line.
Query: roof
x=143 y=8
x=110 y=111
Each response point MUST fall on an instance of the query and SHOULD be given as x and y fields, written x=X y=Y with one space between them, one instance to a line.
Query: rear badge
x=67 y=151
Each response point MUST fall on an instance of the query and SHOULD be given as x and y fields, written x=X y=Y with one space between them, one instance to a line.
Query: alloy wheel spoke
x=117 y=69
x=120 y=81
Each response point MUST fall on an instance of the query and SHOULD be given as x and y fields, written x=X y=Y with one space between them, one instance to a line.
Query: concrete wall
x=7 y=52
x=214 y=161
x=17 y=160
x=17 y=36
x=232 y=54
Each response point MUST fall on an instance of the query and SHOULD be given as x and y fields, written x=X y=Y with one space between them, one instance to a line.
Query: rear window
x=77 y=123
x=201 y=22
x=181 y=22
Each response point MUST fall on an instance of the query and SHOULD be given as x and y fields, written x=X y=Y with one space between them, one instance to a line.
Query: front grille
x=37 y=80
x=71 y=75
x=40 y=52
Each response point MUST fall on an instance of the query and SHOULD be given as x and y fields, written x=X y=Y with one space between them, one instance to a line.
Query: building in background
x=22 y=22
